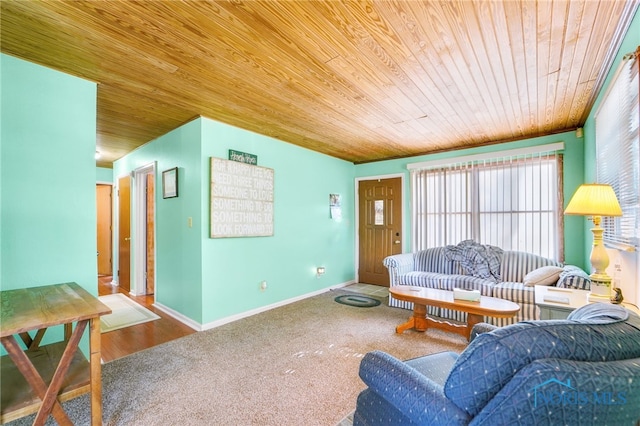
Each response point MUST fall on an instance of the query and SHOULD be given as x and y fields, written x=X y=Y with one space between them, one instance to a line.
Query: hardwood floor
x=125 y=341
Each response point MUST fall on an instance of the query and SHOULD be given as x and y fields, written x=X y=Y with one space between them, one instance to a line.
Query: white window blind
x=510 y=202
x=618 y=153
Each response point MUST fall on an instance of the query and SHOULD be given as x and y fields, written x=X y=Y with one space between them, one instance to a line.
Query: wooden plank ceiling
x=358 y=80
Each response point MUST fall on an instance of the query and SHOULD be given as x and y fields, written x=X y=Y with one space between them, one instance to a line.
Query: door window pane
x=379 y=212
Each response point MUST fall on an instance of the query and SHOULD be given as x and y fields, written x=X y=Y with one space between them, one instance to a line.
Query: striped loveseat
x=432 y=268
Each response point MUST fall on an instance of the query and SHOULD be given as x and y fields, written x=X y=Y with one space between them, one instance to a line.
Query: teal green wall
x=178 y=247
x=629 y=44
x=104 y=175
x=304 y=234
x=573 y=177
x=47 y=179
x=201 y=277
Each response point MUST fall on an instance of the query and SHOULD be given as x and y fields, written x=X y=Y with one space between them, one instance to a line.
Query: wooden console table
x=39 y=378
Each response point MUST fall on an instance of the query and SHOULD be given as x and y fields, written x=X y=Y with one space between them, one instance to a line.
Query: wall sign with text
x=243 y=157
x=241 y=199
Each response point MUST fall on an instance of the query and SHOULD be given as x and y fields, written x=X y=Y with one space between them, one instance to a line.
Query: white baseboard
x=222 y=321
x=226 y=320
x=178 y=316
x=344 y=284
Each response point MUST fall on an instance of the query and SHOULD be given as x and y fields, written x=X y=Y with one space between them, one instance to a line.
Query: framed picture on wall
x=170 y=183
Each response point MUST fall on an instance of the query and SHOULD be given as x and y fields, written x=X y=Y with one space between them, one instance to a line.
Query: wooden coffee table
x=422 y=297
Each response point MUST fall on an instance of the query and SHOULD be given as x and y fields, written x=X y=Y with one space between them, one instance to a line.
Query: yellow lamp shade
x=594 y=200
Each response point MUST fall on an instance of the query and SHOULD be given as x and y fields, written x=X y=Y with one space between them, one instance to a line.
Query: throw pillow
x=574 y=277
x=545 y=275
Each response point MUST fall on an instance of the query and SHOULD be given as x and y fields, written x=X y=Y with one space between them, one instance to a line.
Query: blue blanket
x=477 y=260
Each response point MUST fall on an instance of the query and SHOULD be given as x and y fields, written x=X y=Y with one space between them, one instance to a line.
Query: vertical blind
x=618 y=152
x=509 y=202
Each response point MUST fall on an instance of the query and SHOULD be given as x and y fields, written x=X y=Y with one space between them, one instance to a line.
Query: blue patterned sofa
x=502 y=278
x=584 y=370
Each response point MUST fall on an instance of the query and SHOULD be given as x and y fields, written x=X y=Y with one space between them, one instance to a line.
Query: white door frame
x=139 y=286
x=357 y=213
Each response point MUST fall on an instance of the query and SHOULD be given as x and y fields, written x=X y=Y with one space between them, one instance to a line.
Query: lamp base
x=593 y=298
x=600 y=286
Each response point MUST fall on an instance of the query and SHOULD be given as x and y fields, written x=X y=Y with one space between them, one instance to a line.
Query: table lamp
x=596 y=200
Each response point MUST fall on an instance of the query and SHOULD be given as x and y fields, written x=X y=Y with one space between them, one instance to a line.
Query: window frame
x=425 y=223
x=617 y=144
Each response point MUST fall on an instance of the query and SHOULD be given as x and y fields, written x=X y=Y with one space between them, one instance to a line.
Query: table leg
x=472 y=319
x=31 y=375
x=26 y=338
x=35 y=342
x=96 y=374
x=418 y=320
x=61 y=371
x=68 y=328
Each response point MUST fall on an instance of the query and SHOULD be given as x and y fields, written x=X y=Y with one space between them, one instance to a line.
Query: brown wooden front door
x=380 y=227
x=124 y=233
x=103 y=209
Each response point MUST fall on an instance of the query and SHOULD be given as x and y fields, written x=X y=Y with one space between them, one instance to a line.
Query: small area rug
x=125 y=313
x=357 y=300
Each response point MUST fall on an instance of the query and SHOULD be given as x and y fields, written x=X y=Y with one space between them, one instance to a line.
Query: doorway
x=144 y=244
x=380 y=227
x=135 y=196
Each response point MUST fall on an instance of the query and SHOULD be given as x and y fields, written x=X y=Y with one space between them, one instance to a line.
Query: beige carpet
x=293 y=365
x=125 y=313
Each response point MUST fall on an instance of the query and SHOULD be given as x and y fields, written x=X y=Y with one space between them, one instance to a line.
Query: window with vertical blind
x=618 y=152
x=511 y=202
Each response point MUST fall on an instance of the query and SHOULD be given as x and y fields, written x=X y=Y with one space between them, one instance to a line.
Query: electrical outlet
x=263 y=285
x=190 y=222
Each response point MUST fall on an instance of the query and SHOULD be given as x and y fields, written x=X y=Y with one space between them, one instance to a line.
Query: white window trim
x=538 y=149
x=553 y=249
x=618 y=241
